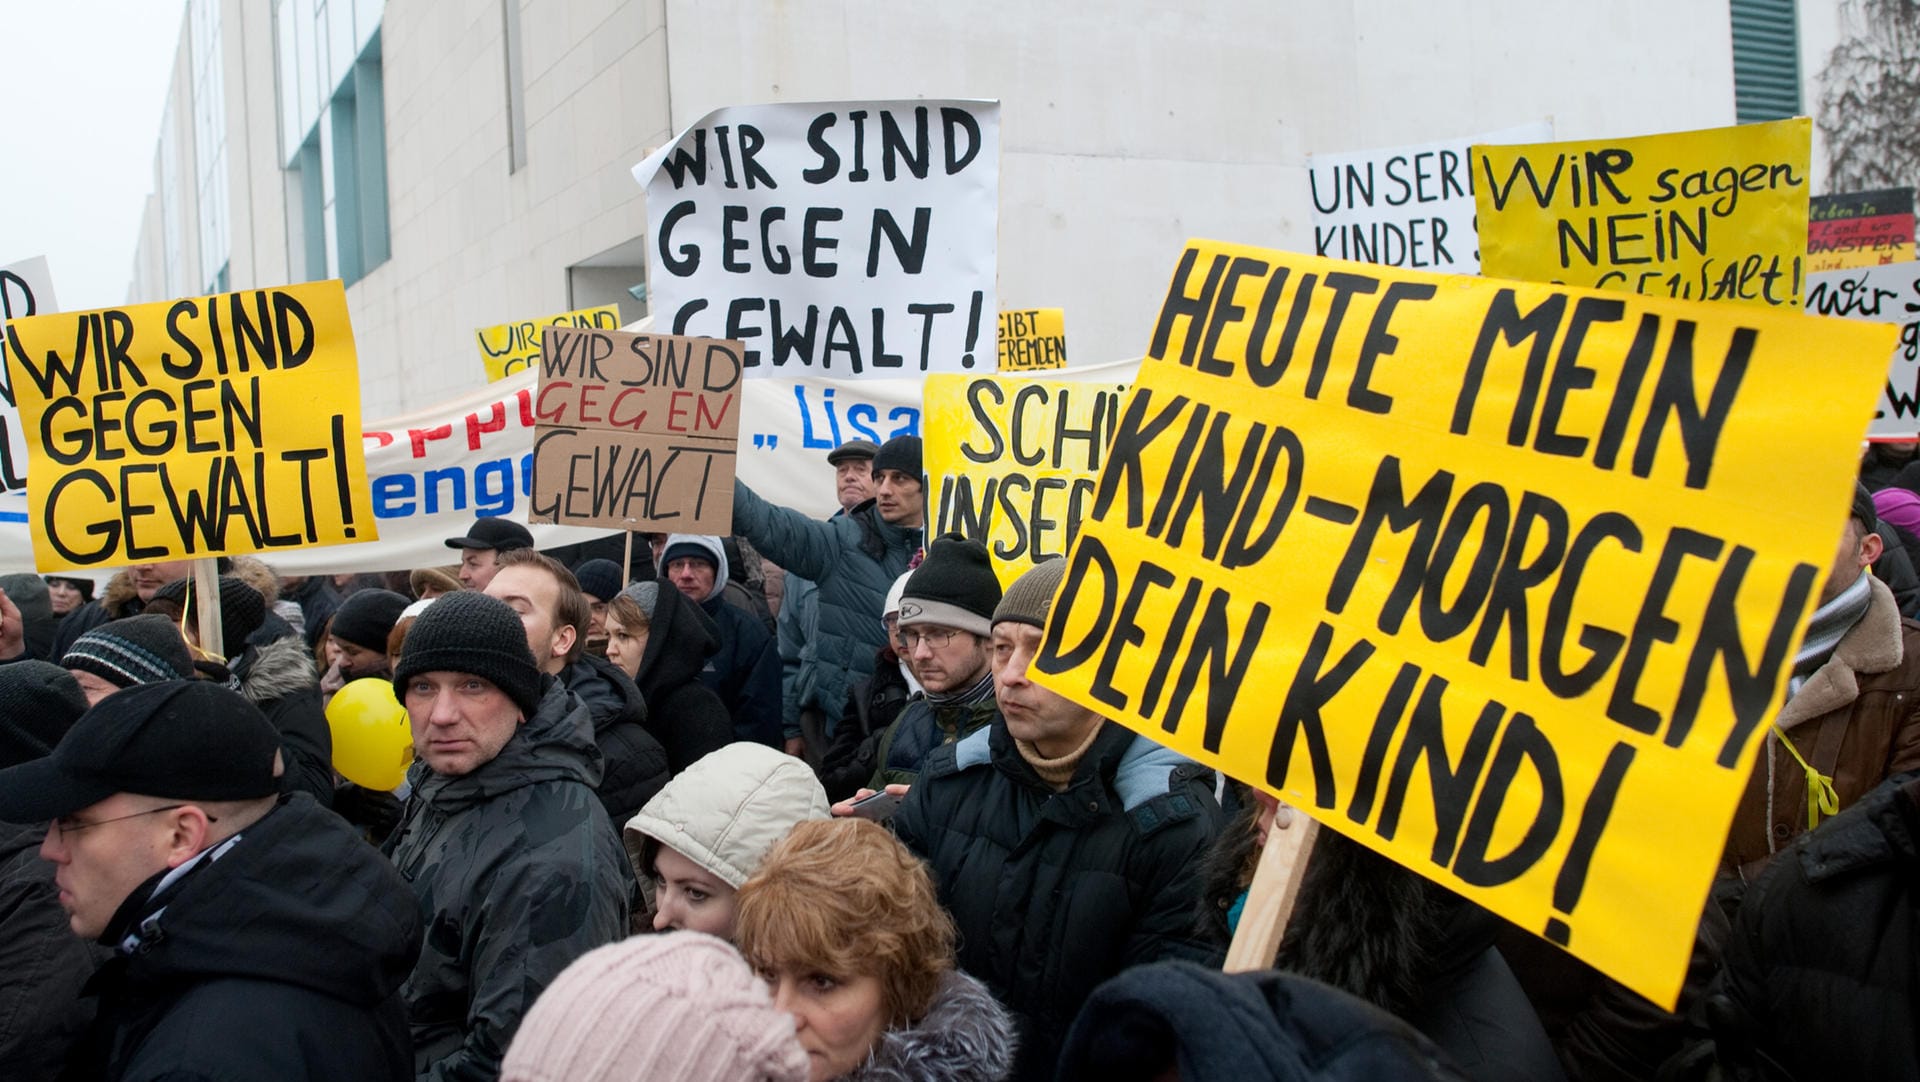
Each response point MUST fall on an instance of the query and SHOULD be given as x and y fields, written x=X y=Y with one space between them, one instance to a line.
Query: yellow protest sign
x=196 y=427
x=1499 y=579
x=1707 y=215
x=1011 y=460
x=508 y=347
x=1033 y=339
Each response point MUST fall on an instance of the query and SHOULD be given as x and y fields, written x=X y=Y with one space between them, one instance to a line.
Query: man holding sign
x=1066 y=848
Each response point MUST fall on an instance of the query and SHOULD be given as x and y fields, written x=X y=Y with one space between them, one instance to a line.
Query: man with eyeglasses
x=946 y=616
x=254 y=935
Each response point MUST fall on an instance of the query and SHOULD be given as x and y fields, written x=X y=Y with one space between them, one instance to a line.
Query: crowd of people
x=788 y=806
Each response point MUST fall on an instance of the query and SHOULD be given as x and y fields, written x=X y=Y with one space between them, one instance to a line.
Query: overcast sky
x=84 y=84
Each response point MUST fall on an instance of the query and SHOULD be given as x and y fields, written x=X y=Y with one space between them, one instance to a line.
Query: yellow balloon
x=372 y=742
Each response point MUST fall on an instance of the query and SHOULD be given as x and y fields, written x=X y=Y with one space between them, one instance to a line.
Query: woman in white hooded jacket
x=703 y=835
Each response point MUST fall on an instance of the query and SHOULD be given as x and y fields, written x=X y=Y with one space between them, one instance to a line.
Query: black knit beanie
x=1030 y=597
x=38 y=704
x=599 y=579
x=899 y=453
x=365 y=618
x=137 y=650
x=954 y=587
x=469 y=632
x=242 y=609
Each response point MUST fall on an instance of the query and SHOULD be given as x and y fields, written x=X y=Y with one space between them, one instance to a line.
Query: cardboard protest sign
x=509 y=347
x=1707 y=215
x=1499 y=579
x=1889 y=294
x=25 y=290
x=834 y=239
x=635 y=431
x=1011 y=461
x=1859 y=229
x=1033 y=339
x=196 y=427
x=1408 y=206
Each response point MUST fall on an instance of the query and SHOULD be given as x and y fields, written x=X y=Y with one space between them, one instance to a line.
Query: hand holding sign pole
x=1498 y=579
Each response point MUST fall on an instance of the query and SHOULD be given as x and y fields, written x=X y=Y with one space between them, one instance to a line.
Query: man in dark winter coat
x=1065 y=846
x=1821 y=976
x=807 y=717
x=254 y=935
x=946 y=616
x=509 y=852
x=851 y=559
x=43 y=965
x=1178 y=1020
x=551 y=607
x=745 y=671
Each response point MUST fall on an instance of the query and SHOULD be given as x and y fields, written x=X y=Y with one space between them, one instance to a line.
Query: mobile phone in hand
x=879 y=807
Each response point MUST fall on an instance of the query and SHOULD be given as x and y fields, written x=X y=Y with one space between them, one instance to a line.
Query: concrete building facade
x=461 y=163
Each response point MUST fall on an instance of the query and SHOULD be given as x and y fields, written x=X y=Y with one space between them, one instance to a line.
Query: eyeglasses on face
x=935 y=637
x=73 y=824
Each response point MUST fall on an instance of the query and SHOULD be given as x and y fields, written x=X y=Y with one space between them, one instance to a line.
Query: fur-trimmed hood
x=966 y=1036
x=120 y=599
x=276 y=669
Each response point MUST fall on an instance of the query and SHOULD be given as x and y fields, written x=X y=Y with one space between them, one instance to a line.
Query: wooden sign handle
x=1270 y=897
x=626 y=561
x=206 y=591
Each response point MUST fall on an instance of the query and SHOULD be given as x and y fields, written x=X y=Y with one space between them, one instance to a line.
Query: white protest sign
x=1409 y=206
x=25 y=289
x=1883 y=294
x=844 y=239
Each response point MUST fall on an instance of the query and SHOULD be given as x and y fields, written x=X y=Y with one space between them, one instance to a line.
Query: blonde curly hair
x=843 y=897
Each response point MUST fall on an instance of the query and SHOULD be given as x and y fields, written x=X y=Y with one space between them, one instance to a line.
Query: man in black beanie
x=851 y=558
x=946 y=616
x=358 y=634
x=253 y=935
x=508 y=849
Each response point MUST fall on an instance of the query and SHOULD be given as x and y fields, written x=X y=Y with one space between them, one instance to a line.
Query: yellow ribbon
x=1821 y=798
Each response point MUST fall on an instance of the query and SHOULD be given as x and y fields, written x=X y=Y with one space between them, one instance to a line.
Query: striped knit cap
x=136 y=650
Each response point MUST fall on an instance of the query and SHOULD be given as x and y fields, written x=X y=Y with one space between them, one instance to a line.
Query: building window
x=1766 y=60
x=336 y=139
x=358 y=114
x=210 y=142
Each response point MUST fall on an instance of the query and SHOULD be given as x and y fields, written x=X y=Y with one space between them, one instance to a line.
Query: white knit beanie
x=679 y=1007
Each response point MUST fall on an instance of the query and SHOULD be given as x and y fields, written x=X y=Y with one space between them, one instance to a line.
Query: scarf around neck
x=1830 y=623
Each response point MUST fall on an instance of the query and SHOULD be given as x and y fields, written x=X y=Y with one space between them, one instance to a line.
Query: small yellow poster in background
x=507 y=348
x=1499 y=579
x=203 y=426
x=1714 y=215
x=1011 y=460
x=1033 y=339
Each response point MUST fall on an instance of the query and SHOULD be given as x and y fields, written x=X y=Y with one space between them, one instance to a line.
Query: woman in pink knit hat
x=666 y=1008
